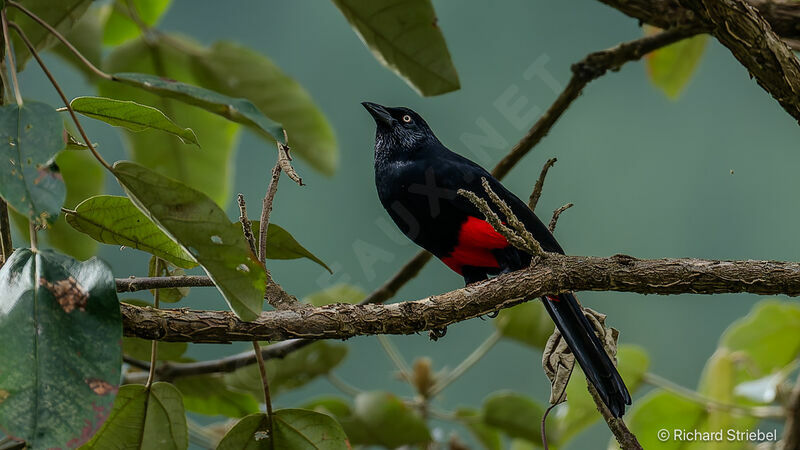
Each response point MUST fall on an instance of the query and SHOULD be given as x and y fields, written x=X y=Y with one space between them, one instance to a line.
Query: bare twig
x=61 y=38
x=284 y=160
x=476 y=355
x=556 y=214
x=553 y=275
x=154 y=345
x=533 y=200
x=134 y=284
x=267 y=399
x=266 y=209
x=55 y=84
x=543 y=426
x=626 y=439
x=247 y=228
x=10 y=56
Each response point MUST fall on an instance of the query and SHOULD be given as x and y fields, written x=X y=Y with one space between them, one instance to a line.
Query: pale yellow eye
x=407 y=118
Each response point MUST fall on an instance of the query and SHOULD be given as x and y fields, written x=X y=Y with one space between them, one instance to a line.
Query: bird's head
x=398 y=129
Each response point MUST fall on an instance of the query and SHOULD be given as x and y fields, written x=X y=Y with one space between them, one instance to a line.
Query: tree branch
x=533 y=200
x=554 y=274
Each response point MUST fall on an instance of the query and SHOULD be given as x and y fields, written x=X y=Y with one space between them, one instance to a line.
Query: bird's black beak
x=379 y=113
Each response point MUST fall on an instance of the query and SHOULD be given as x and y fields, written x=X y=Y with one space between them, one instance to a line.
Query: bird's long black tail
x=588 y=350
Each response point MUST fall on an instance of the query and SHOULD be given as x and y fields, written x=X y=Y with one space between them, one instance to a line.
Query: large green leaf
x=60 y=327
x=515 y=415
x=488 y=436
x=404 y=36
x=527 y=323
x=581 y=410
x=119 y=28
x=208 y=394
x=83 y=177
x=340 y=409
x=131 y=115
x=661 y=410
x=238 y=71
x=388 y=421
x=671 y=67
x=202 y=229
x=293 y=371
x=282 y=245
x=62 y=15
x=295 y=429
x=144 y=418
x=208 y=170
x=116 y=220
x=239 y=110
x=31 y=135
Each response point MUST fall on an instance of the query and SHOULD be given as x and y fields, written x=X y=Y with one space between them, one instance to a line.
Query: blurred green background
x=711 y=175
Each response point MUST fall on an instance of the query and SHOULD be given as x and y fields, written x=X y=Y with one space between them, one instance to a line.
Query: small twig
x=247 y=228
x=543 y=429
x=284 y=160
x=266 y=209
x=537 y=188
x=61 y=38
x=531 y=243
x=342 y=385
x=394 y=355
x=134 y=284
x=556 y=214
x=467 y=363
x=10 y=55
x=5 y=233
x=154 y=345
x=267 y=399
x=626 y=439
x=791 y=430
x=55 y=84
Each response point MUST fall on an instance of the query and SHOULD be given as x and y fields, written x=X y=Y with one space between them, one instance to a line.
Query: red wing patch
x=553 y=298
x=476 y=240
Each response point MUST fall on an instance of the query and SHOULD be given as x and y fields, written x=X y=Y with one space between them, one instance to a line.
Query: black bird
x=418 y=179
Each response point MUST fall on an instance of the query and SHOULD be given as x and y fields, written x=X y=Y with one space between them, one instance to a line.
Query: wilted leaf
x=671 y=67
x=514 y=414
x=208 y=170
x=61 y=15
x=527 y=323
x=293 y=428
x=119 y=28
x=60 y=326
x=404 y=36
x=116 y=220
x=203 y=229
x=238 y=71
x=208 y=394
x=131 y=115
x=339 y=293
x=30 y=137
x=295 y=370
x=144 y=418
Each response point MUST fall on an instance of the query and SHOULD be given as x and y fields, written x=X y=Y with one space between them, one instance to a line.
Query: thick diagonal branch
x=553 y=275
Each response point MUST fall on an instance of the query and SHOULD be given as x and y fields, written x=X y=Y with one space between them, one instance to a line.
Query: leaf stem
x=5 y=233
x=55 y=84
x=267 y=399
x=10 y=55
x=476 y=355
x=34 y=238
x=398 y=360
x=61 y=38
x=154 y=344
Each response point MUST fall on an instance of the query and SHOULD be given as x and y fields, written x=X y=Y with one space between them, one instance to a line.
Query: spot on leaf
x=68 y=293
x=4 y=395
x=100 y=387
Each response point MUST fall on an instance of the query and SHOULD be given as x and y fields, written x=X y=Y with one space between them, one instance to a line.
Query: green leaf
x=144 y=418
x=119 y=28
x=60 y=326
x=238 y=71
x=281 y=244
x=203 y=229
x=208 y=170
x=488 y=436
x=295 y=429
x=238 y=110
x=293 y=371
x=116 y=220
x=581 y=410
x=340 y=410
x=338 y=293
x=388 y=421
x=527 y=323
x=83 y=177
x=671 y=67
x=131 y=115
x=30 y=137
x=514 y=414
x=661 y=410
x=208 y=394
x=169 y=295
x=405 y=37
x=140 y=348
x=61 y=15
